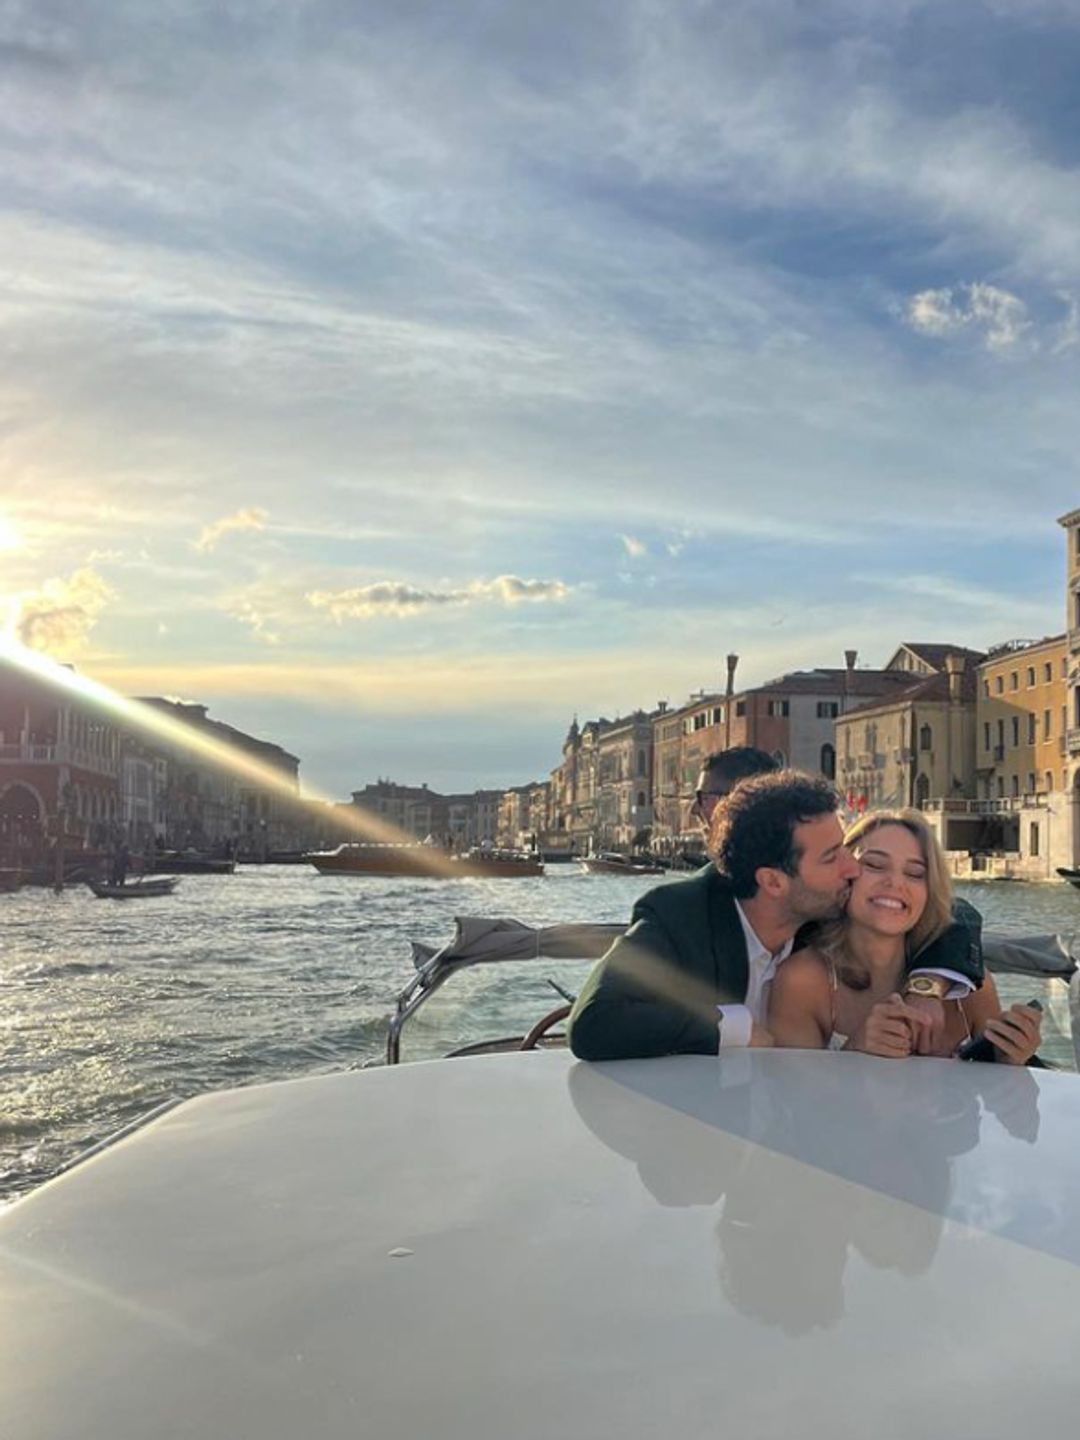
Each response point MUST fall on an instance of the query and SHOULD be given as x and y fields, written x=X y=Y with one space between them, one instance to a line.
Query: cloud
x=1068 y=336
x=250 y=519
x=1001 y=318
x=634 y=548
x=60 y=615
x=395 y=597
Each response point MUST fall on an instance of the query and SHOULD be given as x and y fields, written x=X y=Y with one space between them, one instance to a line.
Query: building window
x=1032 y=723
x=779 y=707
x=1033 y=841
x=718 y=715
x=640 y=764
x=828 y=709
x=1031 y=782
x=1049 y=781
x=1001 y=734
x=986 y=688
x=1048 y=672
x=986 y=735
x=828 y=762
x=1031 y=675
x=641 y=799
x=1014 y=680
x=1016 y=787
x=1016 y=729
x=740 y=708
x=1001 y=788
x=1046 y=724
x=999 y=684
x=926 y=738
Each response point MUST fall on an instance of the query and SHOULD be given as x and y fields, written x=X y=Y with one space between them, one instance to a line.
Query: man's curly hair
x=755 y=825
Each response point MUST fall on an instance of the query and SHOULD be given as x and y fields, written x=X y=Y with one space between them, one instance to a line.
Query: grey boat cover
x=480 y=940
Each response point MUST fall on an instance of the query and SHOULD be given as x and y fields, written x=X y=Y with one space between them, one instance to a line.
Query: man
x=691 y=974
x=720 y=773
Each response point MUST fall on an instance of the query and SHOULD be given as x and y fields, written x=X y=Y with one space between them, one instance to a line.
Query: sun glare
x=9 y=536
x=143 y=718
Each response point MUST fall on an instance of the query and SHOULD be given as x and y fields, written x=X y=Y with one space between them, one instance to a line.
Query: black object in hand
x=980 y=1048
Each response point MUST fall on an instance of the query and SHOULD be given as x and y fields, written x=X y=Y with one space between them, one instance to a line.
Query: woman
x=843 y=992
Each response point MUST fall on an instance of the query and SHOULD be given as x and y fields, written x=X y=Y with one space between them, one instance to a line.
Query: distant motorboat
x=431 y=862
x=612 y=863
x=498 y=864
x=135 y=889
x=191 y=862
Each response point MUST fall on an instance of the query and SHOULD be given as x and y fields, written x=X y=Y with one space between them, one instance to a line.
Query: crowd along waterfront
x=107 y=1011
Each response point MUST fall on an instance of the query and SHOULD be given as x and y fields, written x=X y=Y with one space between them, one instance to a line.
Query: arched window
x=828 y=762
x=922 y=791
x=926 y=738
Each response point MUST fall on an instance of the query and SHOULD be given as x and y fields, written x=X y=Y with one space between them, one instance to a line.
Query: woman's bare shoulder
x=805 y=974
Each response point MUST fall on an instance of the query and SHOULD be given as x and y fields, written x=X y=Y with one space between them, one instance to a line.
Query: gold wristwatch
x=935 y=987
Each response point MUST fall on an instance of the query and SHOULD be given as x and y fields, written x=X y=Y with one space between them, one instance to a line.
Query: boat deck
x=529 y=1246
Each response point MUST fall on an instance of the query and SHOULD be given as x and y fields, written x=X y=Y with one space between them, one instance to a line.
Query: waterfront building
x=573 y=790
x=1023 y=783
x=624 y=813
x=916 y=744
x=60 y=761
x=209 y=806
x=415 y=810
x=514 y=826
x=1070 y=523
x=539 y=813
x=791 y=718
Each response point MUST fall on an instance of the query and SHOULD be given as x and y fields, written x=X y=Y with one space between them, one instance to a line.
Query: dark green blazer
x=656 y=990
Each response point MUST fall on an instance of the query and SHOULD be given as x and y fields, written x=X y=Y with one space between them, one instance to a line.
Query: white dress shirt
x=736 y=1021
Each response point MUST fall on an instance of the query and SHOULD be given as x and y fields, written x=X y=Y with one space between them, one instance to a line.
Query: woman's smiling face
x=890 y=892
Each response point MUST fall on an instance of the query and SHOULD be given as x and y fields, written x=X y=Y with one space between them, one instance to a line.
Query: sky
x=401 y=379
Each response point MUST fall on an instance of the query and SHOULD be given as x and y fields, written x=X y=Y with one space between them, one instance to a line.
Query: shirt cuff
x=961 y=985
x=736 y=1024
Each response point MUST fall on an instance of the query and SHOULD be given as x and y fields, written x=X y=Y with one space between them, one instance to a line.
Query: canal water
x=108 y=1009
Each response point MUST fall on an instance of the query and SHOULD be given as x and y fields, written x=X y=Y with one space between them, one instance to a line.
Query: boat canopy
x=480 y=940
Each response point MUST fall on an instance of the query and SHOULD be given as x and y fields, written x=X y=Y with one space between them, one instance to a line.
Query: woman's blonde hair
x=937 y=914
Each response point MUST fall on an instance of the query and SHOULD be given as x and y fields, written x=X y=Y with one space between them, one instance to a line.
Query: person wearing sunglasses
x=720 y=773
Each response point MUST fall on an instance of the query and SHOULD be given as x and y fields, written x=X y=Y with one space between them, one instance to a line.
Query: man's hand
x=892 y=1029
x=931 y=1038
x=760 y=1038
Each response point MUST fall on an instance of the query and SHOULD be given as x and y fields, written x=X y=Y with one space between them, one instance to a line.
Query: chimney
x=955 y=665
x=732 y=662
x=661 y=706
x=850 y=656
